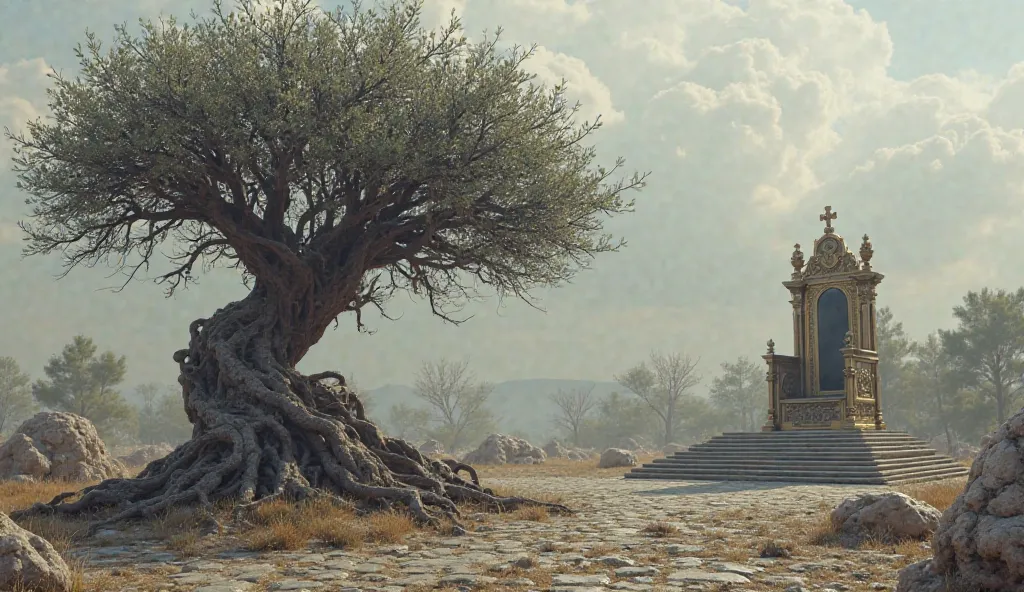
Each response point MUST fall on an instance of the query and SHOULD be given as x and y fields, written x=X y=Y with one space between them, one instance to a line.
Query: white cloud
x=9 y=232
x=786 y=106
x=581 y=85
x=750 y=119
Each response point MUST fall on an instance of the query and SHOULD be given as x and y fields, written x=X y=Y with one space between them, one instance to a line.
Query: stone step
x=818 y=456
x=826 y=434
x=752 y=439
x=815 y=478
x=811 y=476
x=784 y=462
x=754 y=470
x=776 y=448
x=766 y=452
x=817 y=441
x=826 y=454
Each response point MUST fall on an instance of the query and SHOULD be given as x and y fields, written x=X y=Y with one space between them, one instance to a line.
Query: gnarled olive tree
x=335 y=158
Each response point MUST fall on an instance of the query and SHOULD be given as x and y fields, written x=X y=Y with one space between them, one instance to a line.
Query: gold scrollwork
x=790 y=385
x=866 y=410
x=822 y=412
x=830 y=256
x=865 y=380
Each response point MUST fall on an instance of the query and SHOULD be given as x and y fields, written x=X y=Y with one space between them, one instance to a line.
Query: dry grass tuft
x=938 y=494
x=601 y=550
x=62 y=532
x=558 y=467
x=280 y=525
x=824 y=533
x=18 y=496
x=388 y=527
x=531 y=513
x=540 y=496
x=660 y=529
x=776 y=550
x=185 y=543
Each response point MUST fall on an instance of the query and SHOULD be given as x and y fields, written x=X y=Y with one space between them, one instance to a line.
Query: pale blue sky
x=750 y=121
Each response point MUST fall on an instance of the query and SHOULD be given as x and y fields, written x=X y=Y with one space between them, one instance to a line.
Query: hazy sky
x=906 y=116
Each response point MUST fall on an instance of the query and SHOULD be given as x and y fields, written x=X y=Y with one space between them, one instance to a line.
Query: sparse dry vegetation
x=558 y=467
x=660 y=529
x=279 y=525
x=939 y=494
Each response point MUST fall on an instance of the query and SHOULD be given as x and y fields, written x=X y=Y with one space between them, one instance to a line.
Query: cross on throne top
x=831 y=380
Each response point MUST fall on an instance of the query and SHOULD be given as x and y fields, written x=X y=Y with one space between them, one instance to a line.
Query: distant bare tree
x=458 y=401
x=664 y=386
x=408 y=422
x=573 y=407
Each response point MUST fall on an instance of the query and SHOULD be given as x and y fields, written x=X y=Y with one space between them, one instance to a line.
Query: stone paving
x=603 y=548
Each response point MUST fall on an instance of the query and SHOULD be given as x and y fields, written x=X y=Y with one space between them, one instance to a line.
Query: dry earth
x=627 y=535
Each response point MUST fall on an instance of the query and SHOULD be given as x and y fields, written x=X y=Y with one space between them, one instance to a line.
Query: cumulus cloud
x=751 y=117
x=595 y=99
x=781 y=107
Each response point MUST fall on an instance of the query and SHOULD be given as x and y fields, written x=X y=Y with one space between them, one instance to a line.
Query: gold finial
x=866 y=252
x=771 y=346
x=797 y=260
x=827 y=218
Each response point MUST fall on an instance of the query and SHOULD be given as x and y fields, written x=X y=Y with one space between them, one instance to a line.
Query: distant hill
x=521 y=405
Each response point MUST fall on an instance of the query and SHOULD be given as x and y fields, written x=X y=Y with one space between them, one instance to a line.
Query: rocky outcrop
x=978 y=543
x=29 y=562
x=673 y=448
x=57 y=446
x=555 y=449
x=144 y=455
x=432 y=448
x=499 y=449
x=617 y=457
x=887 y=517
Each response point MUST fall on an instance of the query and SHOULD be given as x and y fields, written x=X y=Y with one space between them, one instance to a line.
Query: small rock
x=696 y=575
x=617 y=457
x=30 y=561
x=295 y=585
x=571 y=580
x=231 y=586
x=632 y=572
x=615 y=561
x=472 y=580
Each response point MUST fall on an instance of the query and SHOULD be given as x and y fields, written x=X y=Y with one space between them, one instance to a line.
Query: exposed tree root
x=264 y=431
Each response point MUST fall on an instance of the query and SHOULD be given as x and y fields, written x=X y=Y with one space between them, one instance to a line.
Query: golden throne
x=831 y=380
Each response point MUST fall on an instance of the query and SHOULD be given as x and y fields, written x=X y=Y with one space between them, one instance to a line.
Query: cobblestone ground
x=628 y=535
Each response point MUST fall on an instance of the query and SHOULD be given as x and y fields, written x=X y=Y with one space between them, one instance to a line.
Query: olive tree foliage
x=16 y=403
x=336 y=159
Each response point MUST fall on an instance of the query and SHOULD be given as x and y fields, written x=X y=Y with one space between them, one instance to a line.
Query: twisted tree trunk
x=261 y=429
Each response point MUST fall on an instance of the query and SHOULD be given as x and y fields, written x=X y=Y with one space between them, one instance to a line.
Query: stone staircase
x=812 y=456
